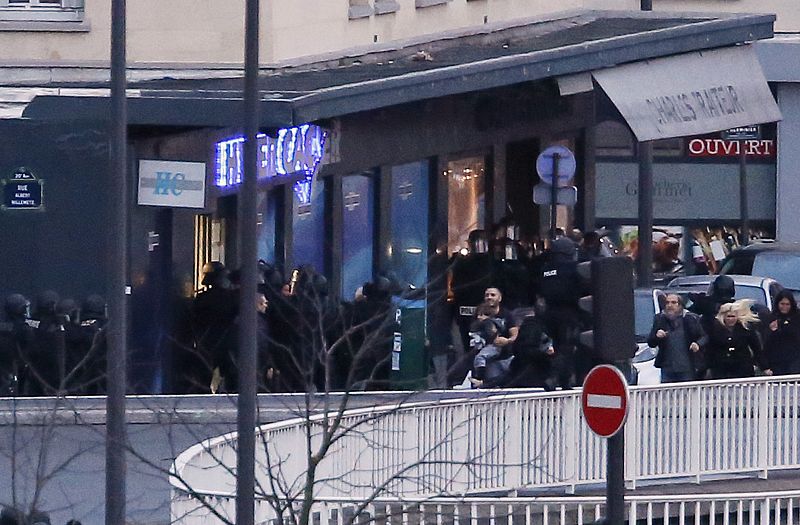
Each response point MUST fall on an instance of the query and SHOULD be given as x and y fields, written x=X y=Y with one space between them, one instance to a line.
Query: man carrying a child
x=492 y=335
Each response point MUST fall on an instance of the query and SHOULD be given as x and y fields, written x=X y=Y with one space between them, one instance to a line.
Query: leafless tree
x=326 y=352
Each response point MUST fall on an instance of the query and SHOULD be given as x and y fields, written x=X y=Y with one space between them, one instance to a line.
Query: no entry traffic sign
x=605 y=400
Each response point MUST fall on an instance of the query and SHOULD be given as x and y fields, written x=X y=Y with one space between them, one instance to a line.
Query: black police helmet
x=94 y=306
x=16 y=305
x=214 y=274
x=722 y=288
x=563 y=246
x=320 y=284
x=67 y=307
x=46 y=302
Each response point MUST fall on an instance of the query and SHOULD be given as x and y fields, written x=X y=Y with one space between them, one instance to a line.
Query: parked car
x=778 y=260
x=760 y=289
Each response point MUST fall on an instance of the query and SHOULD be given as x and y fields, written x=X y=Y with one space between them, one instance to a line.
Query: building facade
x=386 y=140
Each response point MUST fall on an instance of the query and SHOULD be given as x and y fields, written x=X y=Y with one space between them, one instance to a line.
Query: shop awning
x=428 y=67
x=691 y=94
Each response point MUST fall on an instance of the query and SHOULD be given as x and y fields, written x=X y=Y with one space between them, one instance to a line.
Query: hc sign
x=167 y=183
x=172 y=184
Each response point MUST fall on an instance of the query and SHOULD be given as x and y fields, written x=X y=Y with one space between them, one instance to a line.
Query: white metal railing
x=735 y=508
x=508 y=441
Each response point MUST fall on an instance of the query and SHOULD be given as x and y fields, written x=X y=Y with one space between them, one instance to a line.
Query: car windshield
x=783 y=267
x=644 y=313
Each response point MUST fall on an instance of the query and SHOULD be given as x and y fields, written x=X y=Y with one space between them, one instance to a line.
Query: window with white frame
x=42 y=10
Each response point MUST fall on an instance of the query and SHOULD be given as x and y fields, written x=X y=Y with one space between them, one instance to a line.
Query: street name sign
x=23 y=191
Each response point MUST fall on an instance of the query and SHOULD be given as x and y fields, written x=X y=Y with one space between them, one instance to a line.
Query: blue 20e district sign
x=23 y=191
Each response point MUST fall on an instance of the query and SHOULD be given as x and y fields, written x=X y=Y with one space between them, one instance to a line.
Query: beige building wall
x=191 y=33
x=194 y=32
x=788 y=11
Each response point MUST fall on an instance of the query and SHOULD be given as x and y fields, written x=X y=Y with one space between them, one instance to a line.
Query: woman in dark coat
x=782 y=337
x=733 y=348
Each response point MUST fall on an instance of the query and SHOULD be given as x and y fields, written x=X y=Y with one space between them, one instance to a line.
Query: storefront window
x=408 y=250
x=466 y=184
x=614 y=139
x=308 y=224
x=358 y=229
x=268 y=204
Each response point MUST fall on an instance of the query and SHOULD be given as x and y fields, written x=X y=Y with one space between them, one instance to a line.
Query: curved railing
x=734 y=508
x=509 y=442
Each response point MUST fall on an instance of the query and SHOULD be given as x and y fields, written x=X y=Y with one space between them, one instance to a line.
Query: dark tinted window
x=740 y=264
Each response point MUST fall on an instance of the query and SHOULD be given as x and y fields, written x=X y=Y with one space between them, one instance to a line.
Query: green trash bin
x=410 y=359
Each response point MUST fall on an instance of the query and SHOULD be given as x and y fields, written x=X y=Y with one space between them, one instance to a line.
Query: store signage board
x=23 y=191
x=658 y=99
x=683 y=191
x=742 y=133
x=605 y=400
x=172 y=184
x=293 y=152
x=753 y=148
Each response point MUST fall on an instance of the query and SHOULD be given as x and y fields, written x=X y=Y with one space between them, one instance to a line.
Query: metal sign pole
x=615 y=479
x=554 y=198
x=644 y=260
x=743 y=205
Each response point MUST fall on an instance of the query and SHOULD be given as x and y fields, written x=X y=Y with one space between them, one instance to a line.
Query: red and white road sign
x=605 y=400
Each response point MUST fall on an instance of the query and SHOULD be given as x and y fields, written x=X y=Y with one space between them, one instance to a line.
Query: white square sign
x=172 y=184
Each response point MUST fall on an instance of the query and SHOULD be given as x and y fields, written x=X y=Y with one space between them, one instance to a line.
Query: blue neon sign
x=295 y=151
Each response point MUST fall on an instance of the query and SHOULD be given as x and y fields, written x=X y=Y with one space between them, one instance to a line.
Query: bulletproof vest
x=559 y=284
x=47 y=354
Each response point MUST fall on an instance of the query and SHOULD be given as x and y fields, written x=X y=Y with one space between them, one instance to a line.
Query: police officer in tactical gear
x=510 y=264
x=68 y=314
x=46 y=358
x=470 y=275
x=91 y=346
x=16 y=335
x=214 y=312
x=560 y=288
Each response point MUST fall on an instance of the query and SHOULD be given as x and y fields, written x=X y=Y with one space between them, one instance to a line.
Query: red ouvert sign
x=605 y=400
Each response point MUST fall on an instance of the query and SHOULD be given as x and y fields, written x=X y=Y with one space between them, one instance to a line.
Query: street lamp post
x=117 y=288
x=246 y=413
